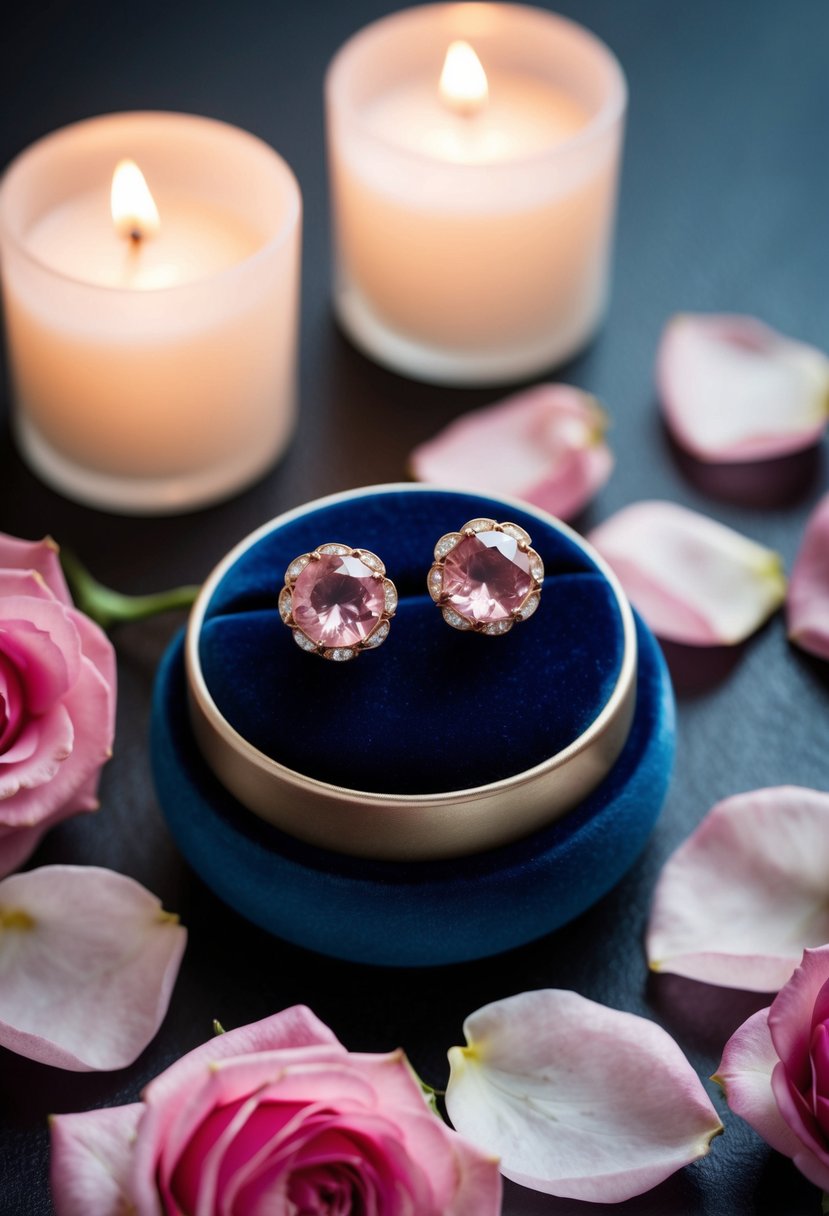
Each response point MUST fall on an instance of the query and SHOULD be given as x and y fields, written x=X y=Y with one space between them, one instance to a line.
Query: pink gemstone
x=337 y=600
x=486 y=577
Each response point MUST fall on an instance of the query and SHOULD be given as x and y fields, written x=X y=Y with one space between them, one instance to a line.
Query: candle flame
x=463 y=84
x=134 y=212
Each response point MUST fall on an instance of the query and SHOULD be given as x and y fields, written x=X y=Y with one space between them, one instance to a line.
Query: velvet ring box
x=373 y=764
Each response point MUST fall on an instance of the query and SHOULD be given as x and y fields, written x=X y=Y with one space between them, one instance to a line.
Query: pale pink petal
x=164 y=1097
x=733 y=389
x=89 y=707
x=545 y=445
x=694 y=580
x=90 y=1161
x=40 y=556
x=745 y=1074
x=578 y=1100
x=807 y=604
x=88 y=960
x=740 y=899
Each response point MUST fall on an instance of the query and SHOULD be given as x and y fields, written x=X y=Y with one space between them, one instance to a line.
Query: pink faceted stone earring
x=486 y=577
x=337 y=601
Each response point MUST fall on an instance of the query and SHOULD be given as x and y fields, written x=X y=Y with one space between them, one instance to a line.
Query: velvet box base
x=424 y=912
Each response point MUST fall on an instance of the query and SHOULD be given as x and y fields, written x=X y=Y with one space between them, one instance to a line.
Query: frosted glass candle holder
x=473 y=247
x=151 y=375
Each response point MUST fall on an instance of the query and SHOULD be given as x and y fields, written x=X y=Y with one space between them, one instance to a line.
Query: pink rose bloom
x=57 y=699
x=278 y=1118
x=775 y=1069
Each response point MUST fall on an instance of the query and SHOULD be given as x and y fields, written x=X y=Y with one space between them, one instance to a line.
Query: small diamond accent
x=341 y=655
x=455 y=619
x=529 y=608
x=297 y=566
x=446 y=544
x=390 y=597
x=380 y=634
x=479 y=525
x=436 y=577
x=303 y=642
x=516 y=533
x=371 y=560
x=333 y=550
x=497 y=627
x=537 y=568
x=285 y=600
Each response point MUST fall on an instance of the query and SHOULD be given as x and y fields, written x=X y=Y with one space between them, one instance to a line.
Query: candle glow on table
x=473 y=156
x=152 y=311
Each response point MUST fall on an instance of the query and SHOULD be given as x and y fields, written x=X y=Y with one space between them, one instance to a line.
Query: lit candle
x=473 y=154
x=150 y=273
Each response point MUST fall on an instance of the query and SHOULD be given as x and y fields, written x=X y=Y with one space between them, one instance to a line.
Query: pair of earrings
x=339 y=602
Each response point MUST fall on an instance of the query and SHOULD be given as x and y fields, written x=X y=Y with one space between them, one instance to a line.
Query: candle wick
x=136 y=236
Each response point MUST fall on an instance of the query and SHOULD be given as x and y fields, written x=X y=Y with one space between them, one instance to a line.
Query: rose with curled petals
x=775 y=1069
x=275 y=1118
x=57 y=700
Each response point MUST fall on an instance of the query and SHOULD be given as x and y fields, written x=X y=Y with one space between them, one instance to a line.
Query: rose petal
x=745 y=1073
x=40 y=556
x=44 y=643
x=793 y=1012
x=545 y=446
x=17 y=845
x=811 y=1157
x=693 y=580
x=24 y=582
x=90 y=1161
x=741 y=897
x=578 y=1100
x=51 y=737
x=99 y=650
x=90 y=708
x=807 y=604
x=733 y=389
x=88 y=959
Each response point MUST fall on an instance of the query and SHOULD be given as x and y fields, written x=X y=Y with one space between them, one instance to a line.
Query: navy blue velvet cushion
x=434 y=709
x=414 y=913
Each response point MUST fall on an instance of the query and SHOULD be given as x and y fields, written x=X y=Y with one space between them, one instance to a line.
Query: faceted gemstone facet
x=338 y=600
x=486 y=577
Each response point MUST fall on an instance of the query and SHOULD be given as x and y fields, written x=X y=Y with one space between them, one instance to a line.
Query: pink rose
x=57 y=699
x=775 y=1069
x=276 y=1117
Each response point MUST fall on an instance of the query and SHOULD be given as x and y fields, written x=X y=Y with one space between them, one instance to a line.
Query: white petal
x=578 y=1100
x=733 y=389
x=742 y=897
x=88 y=960
x=693 y=579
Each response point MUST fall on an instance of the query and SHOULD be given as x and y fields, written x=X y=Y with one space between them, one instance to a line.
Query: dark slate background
x=724 y=206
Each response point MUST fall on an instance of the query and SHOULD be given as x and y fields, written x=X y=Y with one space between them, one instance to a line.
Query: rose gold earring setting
x=486 y=577
x=337 y=601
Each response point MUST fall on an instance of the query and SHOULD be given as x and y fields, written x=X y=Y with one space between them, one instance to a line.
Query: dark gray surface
x=724 y=206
